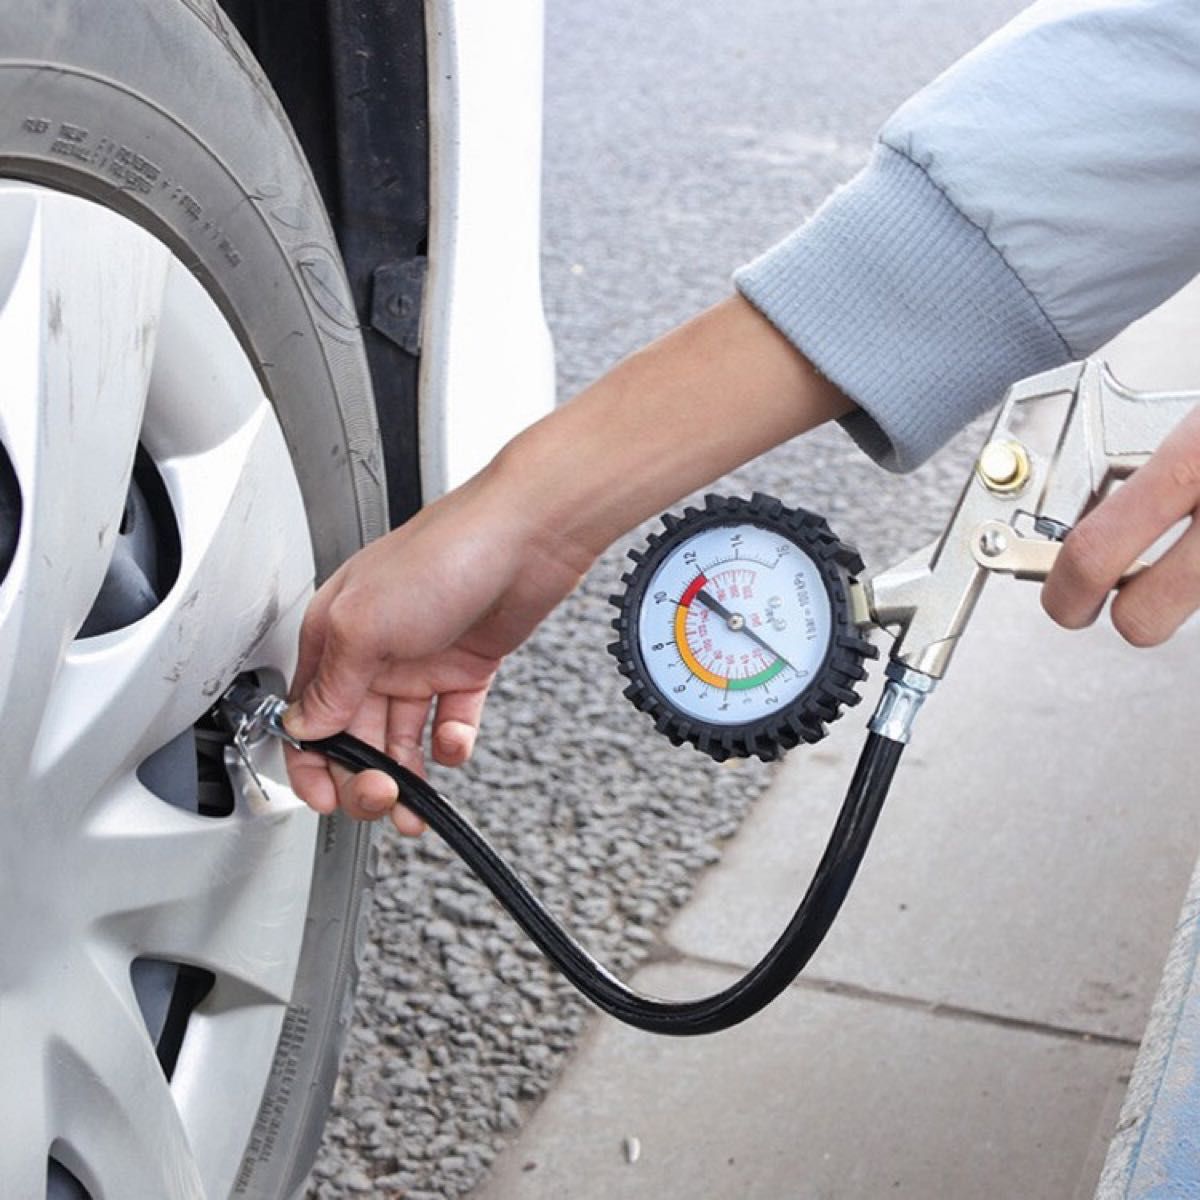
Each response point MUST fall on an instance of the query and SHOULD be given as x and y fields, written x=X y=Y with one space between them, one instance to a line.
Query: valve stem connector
x=251 y=714
x=902 y=698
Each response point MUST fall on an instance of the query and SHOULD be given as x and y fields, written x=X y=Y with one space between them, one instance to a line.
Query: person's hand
x=1150 y=607
x=419 y=620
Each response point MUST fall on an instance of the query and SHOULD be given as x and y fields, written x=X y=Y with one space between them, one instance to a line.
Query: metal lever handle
x=1052 y=471
x=999 y=548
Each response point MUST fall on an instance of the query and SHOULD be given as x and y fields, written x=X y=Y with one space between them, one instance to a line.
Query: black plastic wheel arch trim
x=804 y=718
x=757 y=988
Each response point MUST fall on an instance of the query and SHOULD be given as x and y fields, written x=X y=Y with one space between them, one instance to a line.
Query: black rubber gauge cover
x=804 y=718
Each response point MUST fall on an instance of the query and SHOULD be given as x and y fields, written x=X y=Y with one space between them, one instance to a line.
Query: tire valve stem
x=242 y=746
x=250 y=715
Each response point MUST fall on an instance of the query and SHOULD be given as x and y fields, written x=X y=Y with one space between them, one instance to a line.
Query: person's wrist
x=530 y=486
x=672 y=417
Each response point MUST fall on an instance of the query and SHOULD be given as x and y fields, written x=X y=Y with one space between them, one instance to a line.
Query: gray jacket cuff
x=902 y=302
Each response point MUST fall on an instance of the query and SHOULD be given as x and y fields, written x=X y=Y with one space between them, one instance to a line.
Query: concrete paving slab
x=1037 y=845
x=1161 y=352
x=822 y=1096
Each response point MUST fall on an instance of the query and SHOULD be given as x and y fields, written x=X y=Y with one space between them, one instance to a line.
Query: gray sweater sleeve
x=1017 y=213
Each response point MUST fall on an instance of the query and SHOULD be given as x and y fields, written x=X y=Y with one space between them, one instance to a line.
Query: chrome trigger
x=998 y=547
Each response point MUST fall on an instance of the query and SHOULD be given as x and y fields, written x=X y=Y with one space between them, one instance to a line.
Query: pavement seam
x=933 y=1008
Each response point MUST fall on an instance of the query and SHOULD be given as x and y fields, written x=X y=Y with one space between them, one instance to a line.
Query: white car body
x=487 y=366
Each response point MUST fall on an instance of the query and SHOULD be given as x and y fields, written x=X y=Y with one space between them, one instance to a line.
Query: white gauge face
x=734 y=624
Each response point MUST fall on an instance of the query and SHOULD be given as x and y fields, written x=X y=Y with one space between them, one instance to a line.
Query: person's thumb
x=333 y=696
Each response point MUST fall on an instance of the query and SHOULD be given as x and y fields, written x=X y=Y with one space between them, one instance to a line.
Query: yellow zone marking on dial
x=685 y=652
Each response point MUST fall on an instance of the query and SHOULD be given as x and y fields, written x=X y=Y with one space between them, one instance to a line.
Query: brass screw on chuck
x=1003 y=466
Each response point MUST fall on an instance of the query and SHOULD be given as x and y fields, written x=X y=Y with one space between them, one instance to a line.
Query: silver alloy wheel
x=109 y=344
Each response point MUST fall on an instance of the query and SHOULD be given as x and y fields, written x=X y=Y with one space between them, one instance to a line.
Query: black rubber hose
x=757 y=988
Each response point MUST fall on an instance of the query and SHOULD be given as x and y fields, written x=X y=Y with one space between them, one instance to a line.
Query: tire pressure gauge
x=735 y=629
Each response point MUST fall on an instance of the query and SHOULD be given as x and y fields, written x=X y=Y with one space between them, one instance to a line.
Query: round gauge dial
x=737 y=623
x=735 y=630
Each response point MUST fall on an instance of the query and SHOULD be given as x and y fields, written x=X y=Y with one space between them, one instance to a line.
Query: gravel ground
x=676 y=148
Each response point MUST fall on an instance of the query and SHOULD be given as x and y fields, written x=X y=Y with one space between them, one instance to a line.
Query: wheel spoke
x=113 y=1106
x=228 y=894
x=221 y=1053
x=77 y=335
x=24 y=1132
x=203 y=389
x=243 y=577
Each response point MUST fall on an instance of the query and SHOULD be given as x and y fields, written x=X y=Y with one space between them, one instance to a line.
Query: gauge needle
x=737 y=623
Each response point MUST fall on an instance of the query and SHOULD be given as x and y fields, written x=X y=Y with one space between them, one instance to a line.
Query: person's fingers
x=367 y=795
x=456 y=724
x=1094 y=556
x=373 y=793
x=405 y=729
x=312 y=636
x=310 y=778
x=1151 y=606
x=1099 y=549
x=405 y=726
x=1079 y=582
x=406 y=821
x=348 y=661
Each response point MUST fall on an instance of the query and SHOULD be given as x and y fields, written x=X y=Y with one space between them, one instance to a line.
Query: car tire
x=155 y=110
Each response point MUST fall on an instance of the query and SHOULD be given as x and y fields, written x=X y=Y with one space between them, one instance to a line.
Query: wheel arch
x=438 y=213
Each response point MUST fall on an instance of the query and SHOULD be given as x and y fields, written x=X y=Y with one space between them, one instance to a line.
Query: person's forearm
x=707 y=397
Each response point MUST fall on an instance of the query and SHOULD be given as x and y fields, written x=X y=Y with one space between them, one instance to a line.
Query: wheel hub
x=152 y=546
